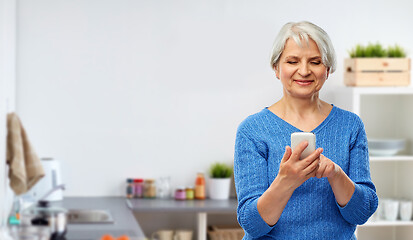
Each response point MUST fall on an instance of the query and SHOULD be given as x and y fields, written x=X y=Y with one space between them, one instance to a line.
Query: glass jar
x=129 y=188
x=189 y=191
x=149 y=188
x=138 y=187
x=180 y=194
x=163 y=187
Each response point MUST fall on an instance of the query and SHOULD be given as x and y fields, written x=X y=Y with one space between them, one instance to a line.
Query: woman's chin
x=304 y=93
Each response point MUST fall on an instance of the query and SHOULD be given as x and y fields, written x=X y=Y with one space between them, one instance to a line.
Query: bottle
x=200 y=186
x=149 y=188
x=138 y=187
x=129 y=188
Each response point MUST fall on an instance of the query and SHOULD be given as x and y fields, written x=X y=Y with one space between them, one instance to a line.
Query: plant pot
x=377 y=71
x=219 y=188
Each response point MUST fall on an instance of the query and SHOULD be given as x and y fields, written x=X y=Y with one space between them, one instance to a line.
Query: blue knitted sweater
x=312 y=211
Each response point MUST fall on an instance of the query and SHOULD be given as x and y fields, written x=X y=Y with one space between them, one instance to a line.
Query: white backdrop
x=128 y=88
x=7 y=98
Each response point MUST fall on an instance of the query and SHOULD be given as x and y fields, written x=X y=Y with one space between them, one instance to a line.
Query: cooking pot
x=43 y=214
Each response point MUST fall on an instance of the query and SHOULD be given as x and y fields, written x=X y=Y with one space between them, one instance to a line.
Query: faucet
x=61 y=186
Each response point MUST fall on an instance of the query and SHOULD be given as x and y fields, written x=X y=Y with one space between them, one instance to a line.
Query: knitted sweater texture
x=312 y=211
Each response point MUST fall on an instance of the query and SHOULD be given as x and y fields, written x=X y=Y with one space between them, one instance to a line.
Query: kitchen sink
x=89 y=216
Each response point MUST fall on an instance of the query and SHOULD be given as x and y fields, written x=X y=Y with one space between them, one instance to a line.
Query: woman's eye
x=316 y=63
x=292 y=62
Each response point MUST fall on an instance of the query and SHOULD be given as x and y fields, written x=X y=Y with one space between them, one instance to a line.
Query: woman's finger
x=298 y=151
x=321 y=170
x=311 y=158
x=330 y=170
x=287 y=154
x=311 y=170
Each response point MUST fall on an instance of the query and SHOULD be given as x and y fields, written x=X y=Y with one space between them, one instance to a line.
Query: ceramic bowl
x=386 y=147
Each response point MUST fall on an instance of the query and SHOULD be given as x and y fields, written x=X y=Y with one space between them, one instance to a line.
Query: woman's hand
x=327 y=168
x=293 y=171
x=340 y=183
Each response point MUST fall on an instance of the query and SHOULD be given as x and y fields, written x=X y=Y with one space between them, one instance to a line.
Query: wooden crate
x=377 y=71
x=225 y=233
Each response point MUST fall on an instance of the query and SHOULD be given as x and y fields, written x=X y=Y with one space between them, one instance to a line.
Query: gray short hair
x=305 y=30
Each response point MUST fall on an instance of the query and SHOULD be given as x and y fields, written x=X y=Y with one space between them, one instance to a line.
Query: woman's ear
x=276 y=70
x=328 y=73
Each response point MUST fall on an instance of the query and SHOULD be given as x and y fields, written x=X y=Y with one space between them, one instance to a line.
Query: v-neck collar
x=295 y=129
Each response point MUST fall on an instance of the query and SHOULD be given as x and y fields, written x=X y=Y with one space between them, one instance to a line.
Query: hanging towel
x=25 y=168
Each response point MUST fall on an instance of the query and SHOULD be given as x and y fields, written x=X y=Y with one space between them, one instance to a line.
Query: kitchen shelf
x=397 y=158
x=380 y=90
x=386 y=113
x=382 y=223
x=350 y=98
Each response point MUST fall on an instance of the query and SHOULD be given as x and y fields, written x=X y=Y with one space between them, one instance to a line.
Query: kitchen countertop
x=171 y=205
x=124 y=221
x=122 y=210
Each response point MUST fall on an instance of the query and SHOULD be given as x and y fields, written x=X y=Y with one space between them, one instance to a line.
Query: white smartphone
x=298 y=137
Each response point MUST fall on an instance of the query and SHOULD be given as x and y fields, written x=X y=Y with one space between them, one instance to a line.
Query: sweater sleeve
x=251 y=180
x=364 y=201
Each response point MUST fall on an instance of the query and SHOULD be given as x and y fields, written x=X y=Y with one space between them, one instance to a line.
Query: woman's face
x=300 y=69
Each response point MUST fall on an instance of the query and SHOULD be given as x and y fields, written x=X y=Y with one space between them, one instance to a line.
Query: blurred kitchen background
x=144 y=88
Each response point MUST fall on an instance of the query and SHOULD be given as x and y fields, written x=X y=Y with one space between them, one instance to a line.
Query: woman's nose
x=304 y=70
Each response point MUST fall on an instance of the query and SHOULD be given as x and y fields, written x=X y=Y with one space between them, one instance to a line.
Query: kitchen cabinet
x=387 y=112
x=200 y=207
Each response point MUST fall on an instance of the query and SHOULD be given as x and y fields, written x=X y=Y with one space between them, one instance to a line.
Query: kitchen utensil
x=386 y=147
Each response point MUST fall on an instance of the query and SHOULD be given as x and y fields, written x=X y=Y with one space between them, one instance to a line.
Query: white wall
x=127 y=88
x=7 y=97
x=3 y=175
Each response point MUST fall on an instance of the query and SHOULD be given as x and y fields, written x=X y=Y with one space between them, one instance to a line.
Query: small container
x=200 y=186
x=180 y=194
x=138 y=187
x=163 y=187
x=129 y=188
x=190 y=193
x=149 y=188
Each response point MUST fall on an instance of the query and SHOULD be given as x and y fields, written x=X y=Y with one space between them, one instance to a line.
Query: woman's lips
x=303 y=82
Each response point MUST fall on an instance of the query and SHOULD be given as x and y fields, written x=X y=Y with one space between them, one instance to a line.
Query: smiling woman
x=322 y=196
x=299 y=67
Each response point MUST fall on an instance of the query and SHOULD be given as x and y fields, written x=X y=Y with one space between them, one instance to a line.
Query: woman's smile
x=303 y=82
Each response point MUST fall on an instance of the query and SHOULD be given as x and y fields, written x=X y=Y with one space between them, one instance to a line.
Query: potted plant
x=373 y=65
x=220 y=180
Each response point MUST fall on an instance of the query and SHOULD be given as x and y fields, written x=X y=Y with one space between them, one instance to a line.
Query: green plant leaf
x=376 y=51
x=220 y=170
x=396 y=52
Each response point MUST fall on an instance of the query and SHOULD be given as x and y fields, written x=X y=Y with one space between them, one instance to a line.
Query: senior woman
x=325 y=195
